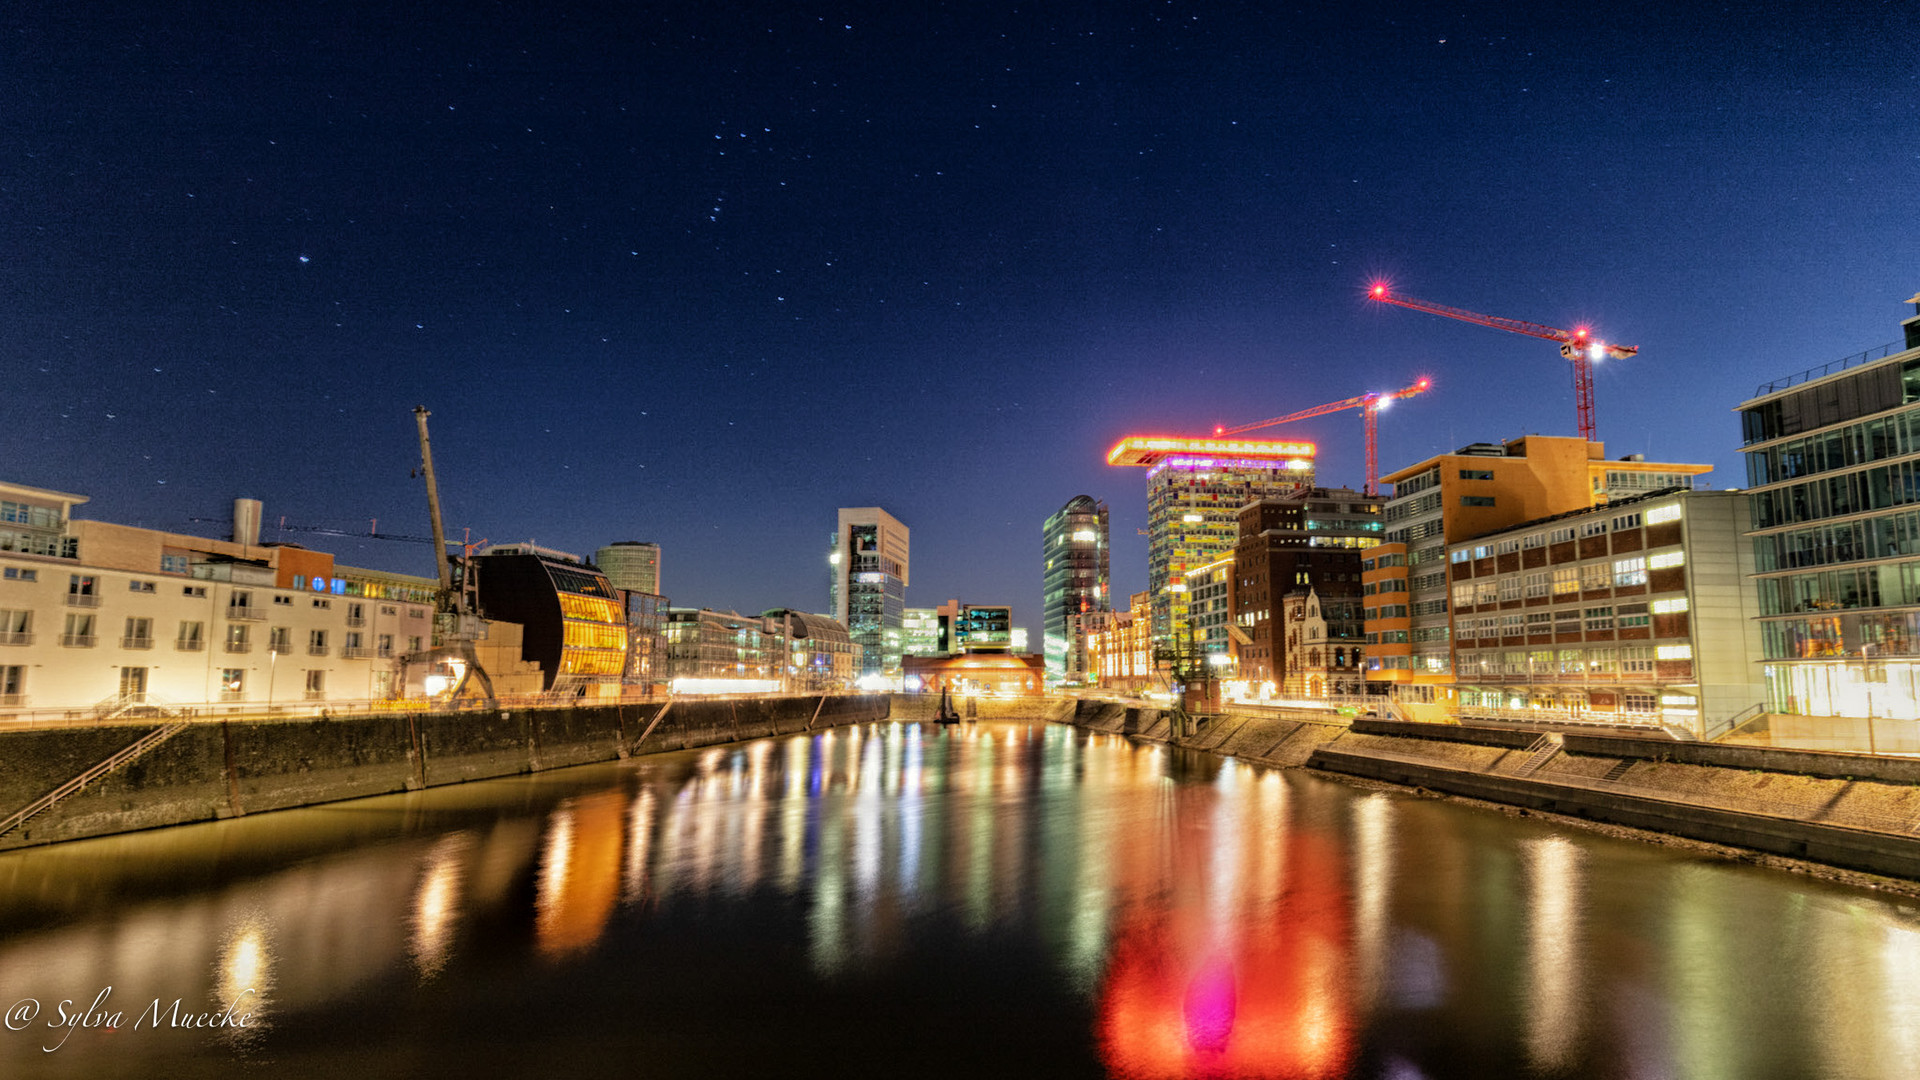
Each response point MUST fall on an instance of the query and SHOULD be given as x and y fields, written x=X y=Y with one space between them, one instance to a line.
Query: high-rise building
x=868 y=591
x=1836 y=534
x=1075 y=581
x=920 y=633
x=1195 y=489
x=633 y=565
x=1459 y=496
x=1307 y=543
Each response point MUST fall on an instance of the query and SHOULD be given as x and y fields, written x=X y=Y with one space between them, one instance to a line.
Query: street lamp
x=273 y=663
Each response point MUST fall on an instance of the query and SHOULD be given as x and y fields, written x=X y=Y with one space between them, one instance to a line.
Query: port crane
x=1577 y=345
x=1369 y=405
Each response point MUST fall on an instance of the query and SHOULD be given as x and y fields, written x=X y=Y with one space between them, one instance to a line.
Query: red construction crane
x=1369 y=406
x=1576 y=344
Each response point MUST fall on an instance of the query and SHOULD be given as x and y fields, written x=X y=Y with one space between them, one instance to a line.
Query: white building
x=95 y=616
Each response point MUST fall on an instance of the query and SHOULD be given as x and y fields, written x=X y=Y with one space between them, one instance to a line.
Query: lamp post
x=273 y=663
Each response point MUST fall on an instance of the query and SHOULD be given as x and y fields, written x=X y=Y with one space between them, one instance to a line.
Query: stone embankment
x=224 y=769
x=1853 y=811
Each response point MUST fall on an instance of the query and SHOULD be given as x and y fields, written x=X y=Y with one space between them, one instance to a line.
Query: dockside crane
x=1577 y=344
x=456 y=601
x=1369 y=405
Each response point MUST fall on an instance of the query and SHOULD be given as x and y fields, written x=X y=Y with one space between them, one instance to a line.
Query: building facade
x=1636 y=611
x=1309 y=541
x=869 y=558
x=633 y=565
x=1121 y=645
x=574 y=622
x=1835 y=526
x=777 y=650
x=1209 y=592
x=96 y=617
x=1322 y=644
x=1455 y=497
x=1074 y=553
x=1195 y=489
x=920 y=633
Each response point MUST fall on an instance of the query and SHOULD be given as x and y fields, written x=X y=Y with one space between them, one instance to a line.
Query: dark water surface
x=896 y=900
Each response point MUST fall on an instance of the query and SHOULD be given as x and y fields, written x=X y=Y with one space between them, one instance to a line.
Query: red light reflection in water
x=1269 y=995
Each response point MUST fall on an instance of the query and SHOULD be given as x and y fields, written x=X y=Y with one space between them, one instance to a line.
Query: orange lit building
x=1195 y=489
x=576 y=624
x=1454 y=497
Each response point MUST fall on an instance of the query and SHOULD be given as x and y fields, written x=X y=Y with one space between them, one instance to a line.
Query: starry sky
x=701 y=273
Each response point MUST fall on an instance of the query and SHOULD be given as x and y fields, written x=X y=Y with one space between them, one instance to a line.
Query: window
x=1572 y=662
x=1485 y=592
x=1534 y=541
x=1603 y=661
x=316 y=643
x=1560 y=536
x=1666 y=559
x=13 y=684
x=193 y=590
x=1599 y=619
x=139 y=586
x=1462 y=594
x=1476 y=474
x=237 y=639
x=386 y=645
x=323 y=603
x=1674 y=652
x=1632 y=615
x=16 y=627
x=20 y=573
x=1566 y=621
x=1626 y=521
x=1506 y=547
x=173 y=564
x=1512 y=625
x=1566 y=581
x=283 y=601
x=1596 y=527
x=1536 y=585
x=1660 y=515
x=139 y=634
x=80 y=590
x=1636 y=702
x=79 y=632
x=1539 y=622
x=190 y=637
x=389 y=609
x=1595 y=576
x=413 y=643
x=1476 y=500
x=1636 y=660
x=1509 y=588
x=1460 y=556
x=316 y=685
x=280 y=640
x=233 y=684
x=1669 y=607
x=1628 y=572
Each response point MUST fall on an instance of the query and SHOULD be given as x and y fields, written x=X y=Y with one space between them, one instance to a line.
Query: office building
x=920 y=633
x=1120 y=645
x=1637 y=611
x=868 y=591
x=1074 y=581
x=1195 y=489
x=574 y=621
x=1455 y=497
x=1835 y=503
x=633 y=565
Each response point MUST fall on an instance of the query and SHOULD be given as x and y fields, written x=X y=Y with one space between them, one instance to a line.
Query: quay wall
x=1846 y=810
x=223 y=769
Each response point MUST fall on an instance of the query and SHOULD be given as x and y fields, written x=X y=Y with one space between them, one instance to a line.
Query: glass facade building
x=869 y=559
x=1833 y=469
x=1074 y=582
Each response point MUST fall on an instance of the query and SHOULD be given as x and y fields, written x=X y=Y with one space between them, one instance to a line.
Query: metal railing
x=357 y=652
x=77 y=641
x=188 y=644
x=316 y=650
x=16 y=637
x=239 y=646
x=1824 y=370
x=246 y=613
x=136 y=642
x=75 y=599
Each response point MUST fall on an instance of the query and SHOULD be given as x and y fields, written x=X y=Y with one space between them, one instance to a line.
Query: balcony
x=356 y=620
x=77 y=641
x=357 y=652
x=136 y=643
x=188 y=644
x=239 y=646
x=233 y=695
x=12 y=701
x=316 y=695
x=317 y=650
x=16 y=637
x=246 y=613
x=83 y=599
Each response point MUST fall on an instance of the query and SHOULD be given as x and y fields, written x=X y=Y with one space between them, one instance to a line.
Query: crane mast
x=1576 y=345
x=1369 y=405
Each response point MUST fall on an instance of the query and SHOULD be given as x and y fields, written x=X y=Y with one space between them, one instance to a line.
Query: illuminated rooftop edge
x=1151 y=449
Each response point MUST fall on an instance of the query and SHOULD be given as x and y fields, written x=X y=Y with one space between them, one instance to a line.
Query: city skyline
x=624 y=259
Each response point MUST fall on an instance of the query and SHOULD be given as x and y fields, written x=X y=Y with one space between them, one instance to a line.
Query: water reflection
x=1168 y=914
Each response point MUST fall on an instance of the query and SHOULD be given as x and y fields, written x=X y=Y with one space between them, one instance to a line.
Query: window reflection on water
x=1181 y=915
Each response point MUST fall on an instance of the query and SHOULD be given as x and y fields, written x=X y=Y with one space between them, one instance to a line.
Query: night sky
x=702 y=273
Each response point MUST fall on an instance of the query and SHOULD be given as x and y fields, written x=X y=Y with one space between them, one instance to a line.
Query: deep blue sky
x=701 y=273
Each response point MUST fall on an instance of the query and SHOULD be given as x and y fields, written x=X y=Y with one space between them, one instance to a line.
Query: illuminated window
x=1661 y=514
x=1669 y=607
x=1667 y=559
x=1629 y=572
x=1675 y=652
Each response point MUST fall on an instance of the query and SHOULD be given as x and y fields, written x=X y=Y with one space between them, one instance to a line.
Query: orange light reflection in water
x=1272 y=1000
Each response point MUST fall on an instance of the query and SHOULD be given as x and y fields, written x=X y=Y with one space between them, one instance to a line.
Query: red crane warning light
x=1369 y=405
x=1576 y=345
